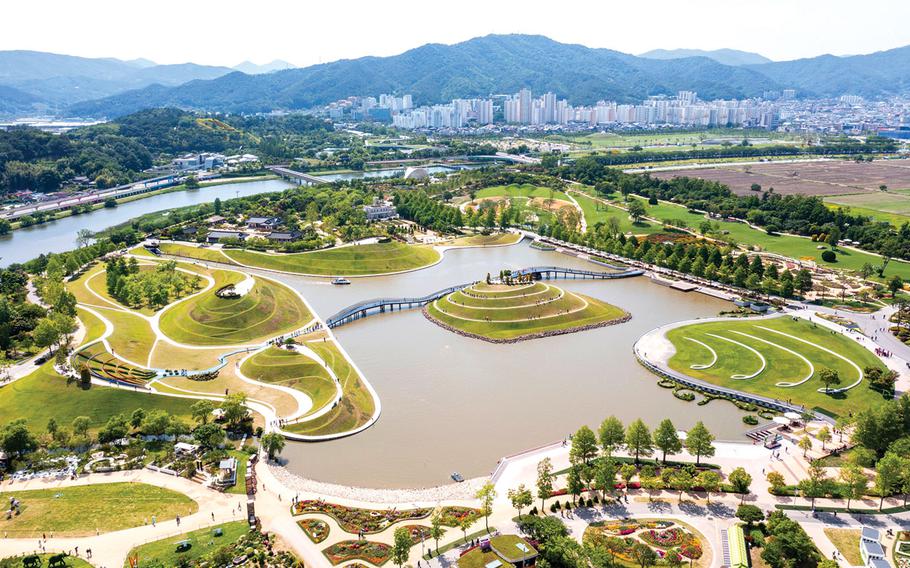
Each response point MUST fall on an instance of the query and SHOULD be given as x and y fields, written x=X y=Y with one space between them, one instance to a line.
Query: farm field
x=812 y=178
x=891 y=206
x=778 y=358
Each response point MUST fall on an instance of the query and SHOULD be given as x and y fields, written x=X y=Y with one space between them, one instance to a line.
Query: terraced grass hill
x=502 y=313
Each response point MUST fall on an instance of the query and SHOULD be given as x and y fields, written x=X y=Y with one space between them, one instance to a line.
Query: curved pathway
x=582 y=308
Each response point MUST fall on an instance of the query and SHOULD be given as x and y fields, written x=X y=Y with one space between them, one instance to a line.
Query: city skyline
x=290 y=38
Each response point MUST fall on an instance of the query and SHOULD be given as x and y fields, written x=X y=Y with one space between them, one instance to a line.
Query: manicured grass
x=239 y=488
x=356 y=406
x=133 y=336
x=164 y=552
x=291 y=369
x=781 y=366
x=44 y=395
x=596 y=212
x=479 y=559
x=69 y=561
x=847 y=543
x=515 y=312
x=83 y=509
x=521 y=190
x=355 y=260
x=198 y=253
x=488 y=240
x=94 y=327
x=269 y=309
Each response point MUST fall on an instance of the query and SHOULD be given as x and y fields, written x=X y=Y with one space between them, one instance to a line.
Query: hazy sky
x=226 y=32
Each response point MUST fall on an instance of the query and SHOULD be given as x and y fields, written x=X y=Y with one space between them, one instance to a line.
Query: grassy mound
x=267 y=310
x=502 y=313
x=782 y=352
x=291 y=369
x=356 y=260
x=356 y=407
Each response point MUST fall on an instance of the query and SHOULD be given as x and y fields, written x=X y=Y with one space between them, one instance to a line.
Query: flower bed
x=452 y=516
x=418 y=533
x=375 y=553
x=663 y=539
x=353 y=520
x=316 y=529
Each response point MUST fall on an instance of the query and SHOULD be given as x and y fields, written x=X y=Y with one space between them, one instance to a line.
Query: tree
x=638 y=439
x=805 y=444
x=15 y=438
x=584 y=446
x=605 y=476
x=776 y=481
x=401 y=547
x=681 y=480
x=637 y=210
x=574 y=484
x=464 y=524
x=816 y=484
x=137 y=418
x=855 y=482
x=741 y=481
x=611 y=434
x=436 y=530
x=895 y=284
x=700 y=442
x=823 y=435
x=81 y=425
x=234 y=409
x=749 y=514
x=666 y=439
x=201 y=411
x=709 y=480
x=486 y=494
x=273 y=442
x=544 y=480
x=803 y=280
x=643 y=555
x=191 y=182
x=627 y=472
x=888 y=473
x=829 y=377
x=520 y=498
x=209 y=436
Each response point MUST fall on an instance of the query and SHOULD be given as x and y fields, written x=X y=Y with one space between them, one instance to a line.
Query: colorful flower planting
x=317 y=530
x=452 y=515
x=666 y=538
x=354 y=520
x=375 y=553
x=418 y=533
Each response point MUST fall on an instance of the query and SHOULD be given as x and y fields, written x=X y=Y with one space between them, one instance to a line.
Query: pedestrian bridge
x=381 y=305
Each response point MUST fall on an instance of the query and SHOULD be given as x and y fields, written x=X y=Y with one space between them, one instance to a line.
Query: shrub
x=829 y=256
x=750 y=419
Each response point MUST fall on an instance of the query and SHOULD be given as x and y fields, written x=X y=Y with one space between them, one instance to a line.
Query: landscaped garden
x=481 y=240
x=375 y=553
x=84 y=509
x=663 y=537
x=108 y=367
x=44 y=559
x=354 y=520
x=202 y=542
x=506 y=313
x=505 y=550
x=292 y=369
x=317 y=530
x=782 y=358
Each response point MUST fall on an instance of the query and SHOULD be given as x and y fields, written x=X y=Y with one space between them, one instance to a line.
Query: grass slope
x=291 y=369
x=355 y=260
x=164 y=552
x=80 y=510
x=521 y=190
x=69 y=561
x=211 y=255
x=133 y=336
x=781 y=365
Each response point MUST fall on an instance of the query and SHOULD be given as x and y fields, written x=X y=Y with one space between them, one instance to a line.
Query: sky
x=305 y=32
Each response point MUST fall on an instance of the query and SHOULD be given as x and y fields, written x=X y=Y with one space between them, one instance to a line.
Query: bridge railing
x=366 y=305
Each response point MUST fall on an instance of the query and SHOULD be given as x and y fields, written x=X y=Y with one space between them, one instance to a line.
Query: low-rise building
x=283 y=236
x=218 y=236
x=263 y=222
x=380 y=210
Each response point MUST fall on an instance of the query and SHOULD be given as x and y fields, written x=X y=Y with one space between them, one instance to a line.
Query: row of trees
x=155 y=288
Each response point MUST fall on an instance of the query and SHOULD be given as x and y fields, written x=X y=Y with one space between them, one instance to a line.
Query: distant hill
x=434 y=72
x=251 y=68
x=64 y=79
x=16 y=102
x=732 y=57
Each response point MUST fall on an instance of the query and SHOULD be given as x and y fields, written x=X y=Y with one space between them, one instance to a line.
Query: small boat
x=341 y=282
x=457 y=477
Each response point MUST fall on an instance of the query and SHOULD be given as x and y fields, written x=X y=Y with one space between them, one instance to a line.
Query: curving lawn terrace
x=779 y=358
x=269 y=309
x=357 y=405
x=83 y=509
x=488 y=240
x=509 y=313
x=198 y=253
x=294 y=370
x=354 y=260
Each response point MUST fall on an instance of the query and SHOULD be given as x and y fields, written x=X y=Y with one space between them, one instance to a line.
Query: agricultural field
x=779 y=358
x=504 y=313
x=657 y=140
x=891 y=206
x=811 y=178
x=83 y=509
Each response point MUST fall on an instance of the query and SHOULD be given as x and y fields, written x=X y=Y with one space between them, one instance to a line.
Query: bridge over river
x=381 y=305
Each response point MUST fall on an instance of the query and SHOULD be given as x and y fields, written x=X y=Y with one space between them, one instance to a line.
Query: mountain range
x=483 y=66
x=251 y=68
x=732 y=57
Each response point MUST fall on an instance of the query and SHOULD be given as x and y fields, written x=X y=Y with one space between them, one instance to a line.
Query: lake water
x=60 y=235
x=452 y=403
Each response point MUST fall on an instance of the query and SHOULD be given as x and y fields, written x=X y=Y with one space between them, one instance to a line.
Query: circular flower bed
x=664 y=539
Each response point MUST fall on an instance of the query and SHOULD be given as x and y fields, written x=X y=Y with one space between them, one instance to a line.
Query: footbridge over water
x=381 y=305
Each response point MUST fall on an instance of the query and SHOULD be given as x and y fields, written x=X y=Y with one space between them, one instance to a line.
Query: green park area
x=781 y=358
x=480 y=240
x=357 y=405
x=68 y=562
x=504 y=313
x=198 y=253
x=292 y=369
x=184 y=549
x=525 y=190
x=596 y=211
x=86 y=509
x=268 y=309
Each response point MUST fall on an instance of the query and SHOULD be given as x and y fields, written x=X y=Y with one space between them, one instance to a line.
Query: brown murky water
x=456 y=404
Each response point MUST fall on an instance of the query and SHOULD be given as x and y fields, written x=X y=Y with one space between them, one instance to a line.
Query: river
x=452 y=403
x=60 y=235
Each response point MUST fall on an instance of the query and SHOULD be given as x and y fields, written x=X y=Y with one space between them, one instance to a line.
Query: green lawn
x=780 y=365
x=133 y=336
x=847 y=543
x=291 y=369
x=199 y=253
x=94 y=327
x=504 y=314
x=488 y=240
x=70 y=561
x=83 y=509
x=355 y=260
x=44 y=394
x=239 y=488
x=268 y=310
x=356 y=406
x=203 y=541
x=596 y=212
x=521 y=190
